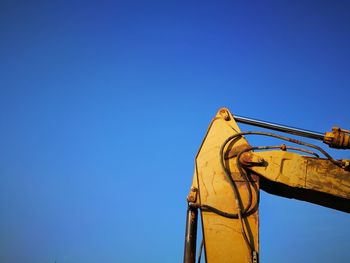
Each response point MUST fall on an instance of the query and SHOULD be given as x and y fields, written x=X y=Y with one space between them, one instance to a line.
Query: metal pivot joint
x=337 y=138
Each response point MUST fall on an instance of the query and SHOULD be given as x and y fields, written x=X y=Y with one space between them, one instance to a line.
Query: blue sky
x=103 y=106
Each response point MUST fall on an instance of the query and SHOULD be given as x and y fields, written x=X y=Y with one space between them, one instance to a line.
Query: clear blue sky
x=103 y=106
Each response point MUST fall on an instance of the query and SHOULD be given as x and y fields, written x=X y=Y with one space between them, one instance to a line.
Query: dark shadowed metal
x=280 y=127
x=191 y=235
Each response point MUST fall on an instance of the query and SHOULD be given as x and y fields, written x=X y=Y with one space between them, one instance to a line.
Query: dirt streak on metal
x=234 y=151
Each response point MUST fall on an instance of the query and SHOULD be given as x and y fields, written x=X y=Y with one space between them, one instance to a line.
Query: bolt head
x=224 y=113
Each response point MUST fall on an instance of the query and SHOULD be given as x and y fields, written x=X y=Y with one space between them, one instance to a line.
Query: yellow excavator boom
x=229 y=174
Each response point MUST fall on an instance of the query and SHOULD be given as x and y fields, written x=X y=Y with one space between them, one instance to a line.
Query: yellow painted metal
x=223 y=237
x=290 y=174
x=294 y=170
x=338 y=138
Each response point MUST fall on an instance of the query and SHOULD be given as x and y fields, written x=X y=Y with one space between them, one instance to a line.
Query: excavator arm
x=229 y=174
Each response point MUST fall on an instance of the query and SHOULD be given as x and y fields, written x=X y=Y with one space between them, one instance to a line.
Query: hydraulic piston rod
x=281 y=128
